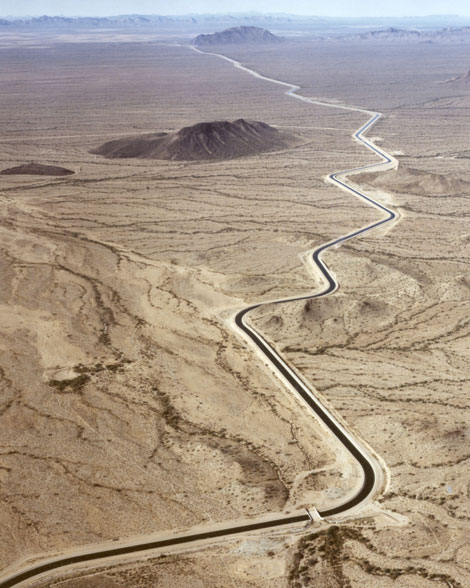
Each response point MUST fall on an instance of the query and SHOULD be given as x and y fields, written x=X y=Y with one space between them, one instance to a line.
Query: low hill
x=203 y=141
x=462 y=80
x=237 y=36
x=407 y=180
x=36 y=169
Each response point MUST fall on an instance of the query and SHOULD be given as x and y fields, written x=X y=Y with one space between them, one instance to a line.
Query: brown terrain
x=217 y=140
x=130 y=407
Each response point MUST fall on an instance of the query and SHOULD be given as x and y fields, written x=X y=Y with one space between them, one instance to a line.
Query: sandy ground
x=127 y=399
x=129 y=407
x=390 y=350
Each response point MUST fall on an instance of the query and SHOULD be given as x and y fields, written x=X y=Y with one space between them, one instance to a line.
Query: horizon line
x=228 y=13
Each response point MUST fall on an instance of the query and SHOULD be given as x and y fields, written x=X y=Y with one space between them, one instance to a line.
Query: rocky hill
x=237 y=36
x=37 y=169
x=409 y=180
x=203 y=141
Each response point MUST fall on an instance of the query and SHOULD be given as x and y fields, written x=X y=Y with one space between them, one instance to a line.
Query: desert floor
x=129 y=406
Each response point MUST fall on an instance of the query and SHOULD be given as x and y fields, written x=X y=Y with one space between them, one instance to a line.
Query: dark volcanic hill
x=36 y=169
x=237 y=35
x=203 y=141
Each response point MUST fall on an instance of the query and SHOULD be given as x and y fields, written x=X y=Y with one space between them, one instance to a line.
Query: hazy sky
x=310 y=7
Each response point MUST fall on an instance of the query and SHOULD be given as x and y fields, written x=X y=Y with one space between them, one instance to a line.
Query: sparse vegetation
x=73 y=385
x=146 y=258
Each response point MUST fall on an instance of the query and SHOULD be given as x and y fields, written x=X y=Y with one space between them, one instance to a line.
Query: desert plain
x=130 y=407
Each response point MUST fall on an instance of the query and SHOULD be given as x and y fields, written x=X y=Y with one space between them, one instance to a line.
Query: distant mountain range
x=237 y=35
x=429 y=29
x=393 y=33
x=234 y=19
x=133 y=19
x=139 y=19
